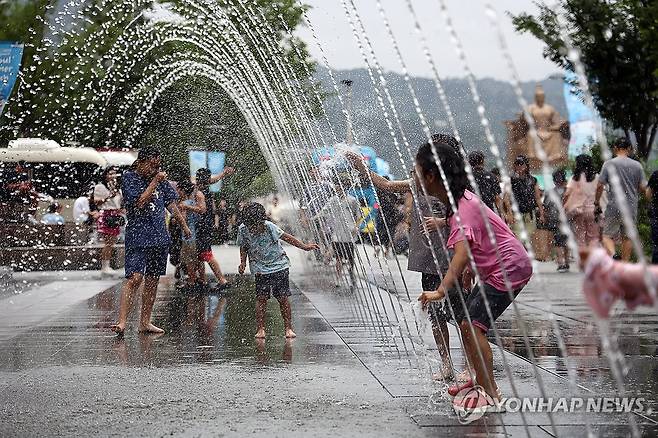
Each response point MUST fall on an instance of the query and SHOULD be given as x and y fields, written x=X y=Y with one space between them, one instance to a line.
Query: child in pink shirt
x=502 y=264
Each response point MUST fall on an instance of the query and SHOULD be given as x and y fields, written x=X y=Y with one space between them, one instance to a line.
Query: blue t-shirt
x=191 y=219
x=266 y=255
x=146 y=226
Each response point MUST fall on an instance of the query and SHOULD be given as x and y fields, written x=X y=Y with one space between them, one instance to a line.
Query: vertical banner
x=213 y=161
x=216 y=162
x=582 y=120
x=198 y=160
x=10 y=64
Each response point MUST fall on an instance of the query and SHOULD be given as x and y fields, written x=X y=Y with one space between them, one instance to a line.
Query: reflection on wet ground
x=350 y=329
x=203 y=328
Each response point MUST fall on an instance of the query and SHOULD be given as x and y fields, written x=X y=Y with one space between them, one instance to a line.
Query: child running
x=260 y=241
x=502 y=265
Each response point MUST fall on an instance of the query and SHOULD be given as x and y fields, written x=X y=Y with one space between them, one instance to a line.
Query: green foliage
x=617 y=44
x=61 y=73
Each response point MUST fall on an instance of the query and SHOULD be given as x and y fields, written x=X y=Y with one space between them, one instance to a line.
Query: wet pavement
x=553 y=313
x=360 y=365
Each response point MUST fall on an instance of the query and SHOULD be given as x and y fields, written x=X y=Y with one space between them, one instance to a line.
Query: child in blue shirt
x=260 y=241
x=54 y=215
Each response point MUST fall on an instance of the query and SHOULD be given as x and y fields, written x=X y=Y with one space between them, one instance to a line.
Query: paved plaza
x=357 y=368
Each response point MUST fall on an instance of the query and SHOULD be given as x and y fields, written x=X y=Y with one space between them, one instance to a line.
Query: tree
x=59 y=95
x=618 y=44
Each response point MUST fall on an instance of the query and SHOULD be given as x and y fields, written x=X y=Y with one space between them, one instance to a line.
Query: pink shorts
x=103 y=228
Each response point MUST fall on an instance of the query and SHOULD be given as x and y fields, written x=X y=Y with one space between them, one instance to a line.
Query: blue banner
x=213 y=161
x=10 y=64
x=582 y=120
x=216 y=161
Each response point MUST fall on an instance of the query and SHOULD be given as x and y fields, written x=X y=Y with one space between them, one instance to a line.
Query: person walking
x=147 y=194
x=579 y=200
x=632 y=182
x=386 y=219
x=487 y=183
x=527 y=195
x=108 y=200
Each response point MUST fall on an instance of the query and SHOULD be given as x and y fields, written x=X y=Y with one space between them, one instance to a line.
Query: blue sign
x=10 y=64
x=582 y=121
x=213 y=161
x=216 y=162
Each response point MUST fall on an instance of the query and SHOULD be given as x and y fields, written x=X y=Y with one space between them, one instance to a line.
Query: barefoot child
x=260 y=241
x=502 y=265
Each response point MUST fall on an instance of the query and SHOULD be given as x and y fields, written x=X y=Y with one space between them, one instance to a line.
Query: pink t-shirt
x=514 y=259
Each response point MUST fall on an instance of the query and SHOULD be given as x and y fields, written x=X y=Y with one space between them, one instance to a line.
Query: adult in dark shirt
x=147 y=194
x=652 y=195
x=527 y=195
x=206 y=223
x=487 y=183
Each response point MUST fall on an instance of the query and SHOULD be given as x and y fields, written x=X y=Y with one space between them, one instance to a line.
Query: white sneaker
x=108 y=272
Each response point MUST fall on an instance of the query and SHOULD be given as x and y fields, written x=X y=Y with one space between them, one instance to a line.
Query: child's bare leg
x=626 y=249
x=127 y=295
x=475 y=345
x=339 y=266
x=286 y=313
x=214 y=266
x=442 y=339
x=561 y=255
x=261 y=307
x=609 y=245
x=148 y=300
x=191 y=270
x=201 y=271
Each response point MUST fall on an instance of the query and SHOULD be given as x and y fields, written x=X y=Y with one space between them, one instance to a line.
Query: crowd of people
x=452 y=238
x=186 y=239
x=456 y=221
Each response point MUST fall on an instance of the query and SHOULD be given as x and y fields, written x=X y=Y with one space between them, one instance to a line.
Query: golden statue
x=552 y=132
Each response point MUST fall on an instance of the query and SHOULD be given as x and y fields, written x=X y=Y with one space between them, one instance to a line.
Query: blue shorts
x=150 y=261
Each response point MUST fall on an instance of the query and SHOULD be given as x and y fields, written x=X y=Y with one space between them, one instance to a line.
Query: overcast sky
x=471 y=23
